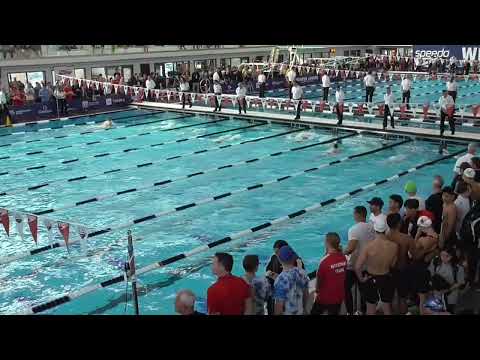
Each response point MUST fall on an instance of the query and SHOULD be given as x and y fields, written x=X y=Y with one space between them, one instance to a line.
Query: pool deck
x=311 y=120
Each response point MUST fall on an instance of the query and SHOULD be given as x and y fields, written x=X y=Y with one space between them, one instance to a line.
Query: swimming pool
x=422 y=91
x=164 y=154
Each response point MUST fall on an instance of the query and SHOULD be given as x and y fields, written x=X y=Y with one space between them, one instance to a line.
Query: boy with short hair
x=261 y=289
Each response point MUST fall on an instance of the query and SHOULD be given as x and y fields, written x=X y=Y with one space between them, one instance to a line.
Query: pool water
x=422 y=91
x=46 y=276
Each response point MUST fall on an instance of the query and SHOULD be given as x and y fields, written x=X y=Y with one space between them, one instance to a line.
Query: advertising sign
x=461 y=52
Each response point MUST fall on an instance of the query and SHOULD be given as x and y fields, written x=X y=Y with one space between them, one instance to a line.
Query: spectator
x=150 y=85
x=388 y=110
x=297 y=96
x=330 y=286
x=29 y=93
x=395 y=204
x=325 y=86
x=241 y=92
x=217 y=90
x=410 y=220
x=358 y=237
x=184 y=87
x=196 y=81
x=230 y=295
x=471 y=150
x=261 y=84
x=44 y=96
x=446 y=267
x=463 y=204
x=261 y=288
x=434 y=203
x=379 y=256
x=185 y=303
x=339 y=98
x=448 y=236
x=376 y=205
x=291 y=285
x=446 y=104
x=411 y=190
x=61 y=103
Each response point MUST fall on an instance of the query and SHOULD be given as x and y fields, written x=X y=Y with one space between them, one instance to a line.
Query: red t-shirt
x=228 y=295
x=331 y=279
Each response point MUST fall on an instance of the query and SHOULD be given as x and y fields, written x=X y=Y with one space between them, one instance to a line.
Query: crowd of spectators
x=414 y=255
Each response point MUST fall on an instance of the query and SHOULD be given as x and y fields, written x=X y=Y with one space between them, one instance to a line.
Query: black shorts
x=419 y=277
x=320 y=309
x=401 y=280
x=379 y=287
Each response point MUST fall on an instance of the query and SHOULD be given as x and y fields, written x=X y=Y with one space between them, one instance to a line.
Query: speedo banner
x=461 y=52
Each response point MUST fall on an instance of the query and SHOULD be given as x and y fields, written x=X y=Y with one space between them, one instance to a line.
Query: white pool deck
x=305 y=119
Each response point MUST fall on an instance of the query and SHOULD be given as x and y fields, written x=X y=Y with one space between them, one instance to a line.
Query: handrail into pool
x=122 y=278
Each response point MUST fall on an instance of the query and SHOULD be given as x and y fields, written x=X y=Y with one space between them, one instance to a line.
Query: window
x=158 y=68
x=168 y=69
x=235 y=62
x=96 y=72
x=244 y=59
x=346 y=52
x=79 y=73
x=22 y=77
x=32 y=77
x=354 y=53
x=225 y=62
x=258 y=59
x=127 y=72
x=368 y=51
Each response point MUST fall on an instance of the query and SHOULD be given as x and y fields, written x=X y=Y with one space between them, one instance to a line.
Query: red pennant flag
x=475 y=110
x=450 y=110
x=425 y=111
x=360 y=109
x=33 y=225
x=322 y=106
x=64 y=229
x=381 y=109
x=403 y=109
x=5 y=220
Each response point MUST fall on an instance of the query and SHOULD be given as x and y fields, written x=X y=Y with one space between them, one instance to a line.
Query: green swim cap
x=410 y=187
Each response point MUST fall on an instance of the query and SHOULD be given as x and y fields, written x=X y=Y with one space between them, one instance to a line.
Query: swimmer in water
x=304 y=135
x=107 y=124
x=335 y=149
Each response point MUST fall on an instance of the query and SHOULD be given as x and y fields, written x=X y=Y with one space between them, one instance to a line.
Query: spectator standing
x=325 y=86
x=434 y=203
x=388 y=110
x=406 y=87
x=471 y=151
x=230 y=295
x=369 y=81
x=61 y=102
x=29 y=93
x=261 y=84
x=261 y=289
x=291 y=285
x=330 y=286
x=217 y=90
x=196 y=81
x=185 y=303
x=241 y=92
x=150 y=85
x=446 y=103
x=339 y=99
x=452 y=88
x=297 y=96
x=184 y=87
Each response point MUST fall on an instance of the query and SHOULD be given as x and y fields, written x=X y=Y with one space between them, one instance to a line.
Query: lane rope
x=70 y=296
x=203 y=201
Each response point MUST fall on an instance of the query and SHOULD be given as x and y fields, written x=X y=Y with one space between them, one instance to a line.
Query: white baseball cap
x=380 y=225
x=469 y=173
x=424 y=222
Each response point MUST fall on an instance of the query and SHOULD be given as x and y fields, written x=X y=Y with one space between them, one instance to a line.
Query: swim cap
x=286 y=254
x=410 y=187
x=424 y=222
x=469 y=173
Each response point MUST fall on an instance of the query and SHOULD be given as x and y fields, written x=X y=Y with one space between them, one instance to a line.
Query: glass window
x=258 y=59
x=96 y=72
x=225 y=62
x=280 y=58
x=158 y=68
x=235 y=62
x=35 y=76
x=346 y=52
x=79 y=73
x=22 y=77
x=168 y=69
x=244 y=59
x=127 y=72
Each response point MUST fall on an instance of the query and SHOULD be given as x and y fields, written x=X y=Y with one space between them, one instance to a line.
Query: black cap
x=448 y=190
x=376 y=201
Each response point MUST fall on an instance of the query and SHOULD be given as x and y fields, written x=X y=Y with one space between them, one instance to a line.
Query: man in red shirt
x=330 y=278
x=230 y=295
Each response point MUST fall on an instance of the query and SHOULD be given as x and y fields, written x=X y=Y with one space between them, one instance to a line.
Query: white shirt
x=216 y=76
x=217 y=88
x=421 y=202
x=297 y=92
x=445 y=101
x=372 y=219
x=406 y=84
x=325 y=81
x=363 y=233
x=3 y=98
x=262 y=78
x=369 y=80
x=388 y=100
x=465 y=158
x=339 y=96
x=150 y=84
x=451 y=86
x=185 y=86
x=59 y=94
x=463 y=207
x=241 y=92
x=291 y=75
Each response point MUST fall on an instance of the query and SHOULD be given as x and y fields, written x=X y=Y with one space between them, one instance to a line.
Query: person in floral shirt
x=260 y=286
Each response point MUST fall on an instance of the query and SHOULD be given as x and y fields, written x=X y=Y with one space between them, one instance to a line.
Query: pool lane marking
x=108 y=140
x=72 y=295
x=199 y=202
x=169 y=181
x=150 y=113
x=132 y=149
x=277 y=153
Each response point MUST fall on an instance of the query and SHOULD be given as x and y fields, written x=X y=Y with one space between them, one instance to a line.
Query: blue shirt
x=289 y=287
x=44 y=94
x=263 y=291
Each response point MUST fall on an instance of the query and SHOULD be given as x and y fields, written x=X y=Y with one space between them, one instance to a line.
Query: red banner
x=425 y=111
x=64 y=230
x=33 y=225
x=5 y=220
x=321 y=106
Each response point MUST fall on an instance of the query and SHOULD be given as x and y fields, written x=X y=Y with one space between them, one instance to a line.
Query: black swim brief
x=379 y=287
x=401 y=280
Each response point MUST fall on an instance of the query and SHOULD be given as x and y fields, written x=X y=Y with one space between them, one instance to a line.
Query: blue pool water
x=422 y=91
x=40 y=278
